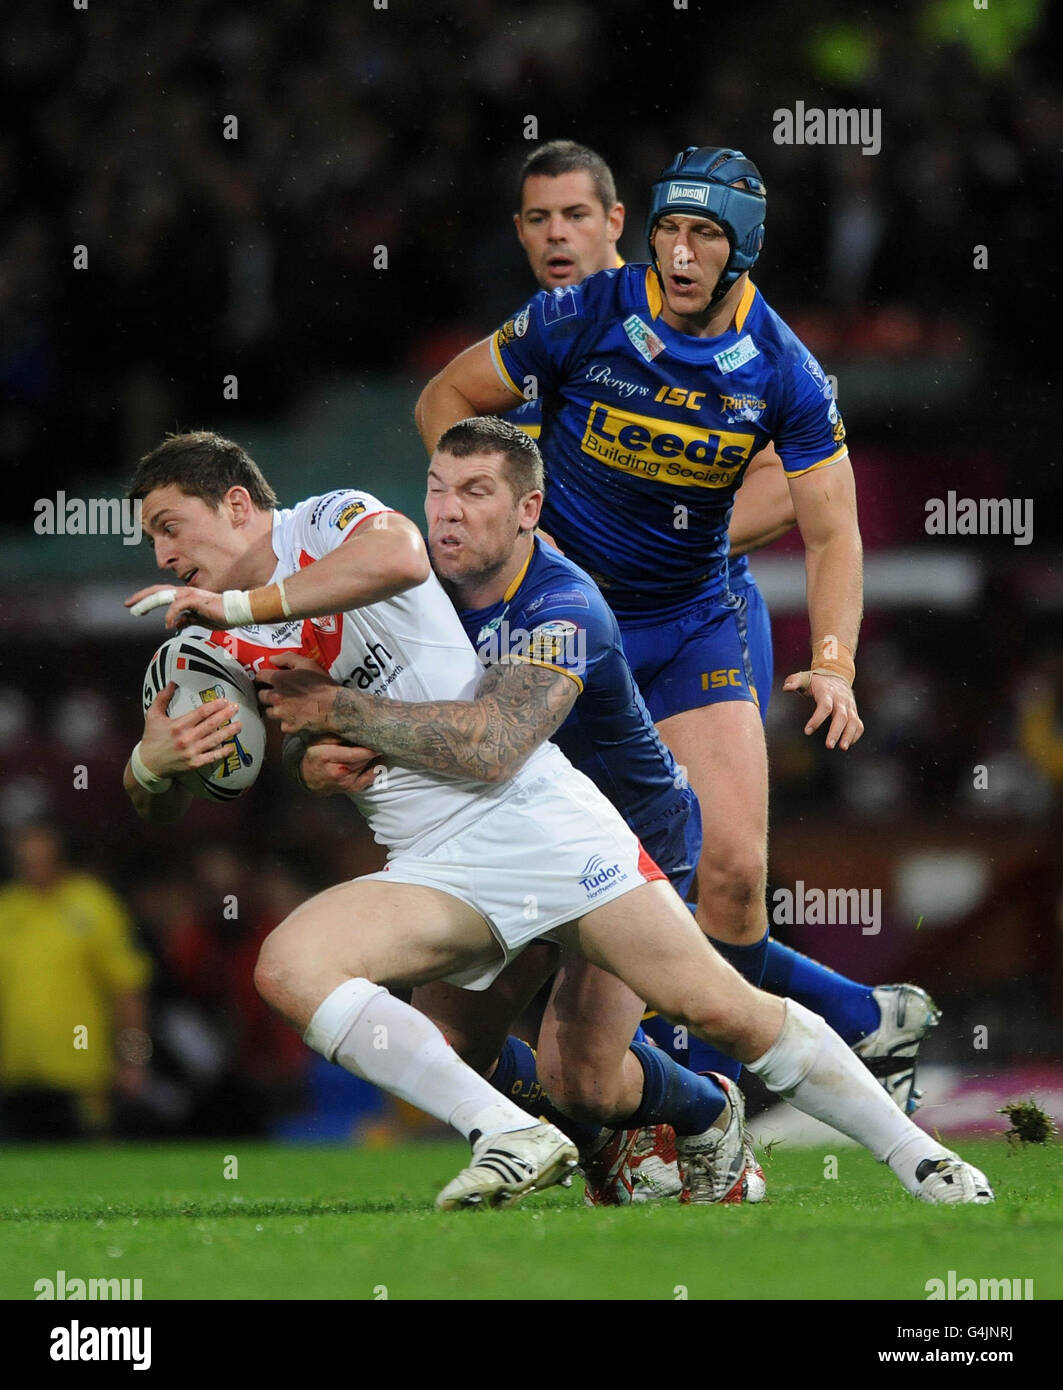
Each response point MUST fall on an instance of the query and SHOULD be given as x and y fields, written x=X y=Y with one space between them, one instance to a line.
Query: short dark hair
x=201 y=464
x=566 y=157
x=487 y=434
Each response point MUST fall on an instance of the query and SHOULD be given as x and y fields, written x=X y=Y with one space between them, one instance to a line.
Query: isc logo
x=675 y=395
x=716 y=680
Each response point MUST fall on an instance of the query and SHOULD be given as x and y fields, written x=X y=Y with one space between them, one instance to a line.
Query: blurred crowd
x=360 y=129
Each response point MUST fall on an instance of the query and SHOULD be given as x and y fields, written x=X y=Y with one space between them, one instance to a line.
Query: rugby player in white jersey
x=348 y=583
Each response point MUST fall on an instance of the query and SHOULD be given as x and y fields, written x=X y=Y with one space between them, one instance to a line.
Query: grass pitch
x=340 y=1223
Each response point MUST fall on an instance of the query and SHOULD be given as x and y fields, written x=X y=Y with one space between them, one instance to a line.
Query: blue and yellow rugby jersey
x=646 y=432
x=528 y=417
x=554 y=615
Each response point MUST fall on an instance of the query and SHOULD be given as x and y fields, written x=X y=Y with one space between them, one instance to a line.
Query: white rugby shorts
x=547 y=855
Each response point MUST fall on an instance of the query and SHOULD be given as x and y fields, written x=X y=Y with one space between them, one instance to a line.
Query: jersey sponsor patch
x=567 y=598
x=603 y=377
x=513 y=328
x=553 y=640
x=734 y=357
x=642 y=338
x=598 y=876
x=736 y=408
x=818 y=375
x=323 y=505
x=837 y=424
x=377 y=668
x=556 y=643
x=667 y=451
x=559 y=304
x=345 y=513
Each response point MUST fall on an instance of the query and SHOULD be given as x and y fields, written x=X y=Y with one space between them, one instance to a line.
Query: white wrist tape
x=236 y=607
x=285 y=605
x=151 y=783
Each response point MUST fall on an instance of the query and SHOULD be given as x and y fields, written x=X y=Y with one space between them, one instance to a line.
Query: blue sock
x=848 y=1007
x=515 y=1076
x=749 y=962
x=670 y=1037
x=673 y=1095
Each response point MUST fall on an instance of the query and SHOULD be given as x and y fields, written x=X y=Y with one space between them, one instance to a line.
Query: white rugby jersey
x=410 y=647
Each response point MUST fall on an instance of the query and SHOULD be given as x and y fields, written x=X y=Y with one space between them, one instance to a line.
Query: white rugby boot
x=891 y=1052
x=756 y=1183
x=948 y=1181
x=507 y=1166
x=655 y=1165
x=712 y=1165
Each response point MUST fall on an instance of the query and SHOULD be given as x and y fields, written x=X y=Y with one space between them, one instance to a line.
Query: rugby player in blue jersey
x=557 y=668
x=521 y=600
x=569 y=222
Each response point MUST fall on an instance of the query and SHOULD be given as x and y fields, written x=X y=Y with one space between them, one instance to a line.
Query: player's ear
x=238 y=501
x=530 y=508
x=615 y=219
x=519 y=226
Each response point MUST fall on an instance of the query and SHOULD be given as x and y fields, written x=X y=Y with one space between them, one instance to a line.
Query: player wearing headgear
x=474 y=820
x=569 y=223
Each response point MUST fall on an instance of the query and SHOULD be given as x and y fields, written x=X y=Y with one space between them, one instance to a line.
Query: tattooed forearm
x=517 y=706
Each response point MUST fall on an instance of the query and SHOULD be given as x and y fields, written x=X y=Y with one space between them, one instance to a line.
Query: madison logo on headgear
x=688 y=192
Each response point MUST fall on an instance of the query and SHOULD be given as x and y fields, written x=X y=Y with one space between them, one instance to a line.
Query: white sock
x=370 y=1033
x=810 y=1066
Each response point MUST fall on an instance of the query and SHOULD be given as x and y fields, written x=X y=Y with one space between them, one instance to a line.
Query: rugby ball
x=202 y=672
